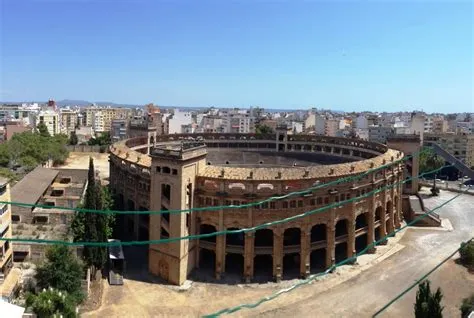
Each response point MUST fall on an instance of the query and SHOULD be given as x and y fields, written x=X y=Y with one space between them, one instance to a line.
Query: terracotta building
x=213 y=170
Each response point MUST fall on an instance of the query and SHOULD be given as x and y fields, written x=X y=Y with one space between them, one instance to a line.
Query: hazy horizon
x=347 y=56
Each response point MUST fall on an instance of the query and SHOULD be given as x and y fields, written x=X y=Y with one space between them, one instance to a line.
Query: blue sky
x=345 y=55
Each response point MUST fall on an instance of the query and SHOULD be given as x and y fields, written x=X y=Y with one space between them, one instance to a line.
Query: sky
x=342 y=55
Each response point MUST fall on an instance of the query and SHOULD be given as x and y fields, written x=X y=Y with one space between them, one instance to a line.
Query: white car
x=440 y=181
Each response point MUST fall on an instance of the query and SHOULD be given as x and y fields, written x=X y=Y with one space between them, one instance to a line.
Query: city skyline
x=344 y=56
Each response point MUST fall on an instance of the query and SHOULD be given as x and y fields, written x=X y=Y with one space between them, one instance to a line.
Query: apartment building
x=6 y=250
x=51 y=119
x=460 y=146
x=68 y=120
x=238 y=123
x=118 y=130
x=101 y=117
x=380 y=134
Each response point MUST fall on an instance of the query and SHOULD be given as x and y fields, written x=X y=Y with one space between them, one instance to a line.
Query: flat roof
x=30 y=189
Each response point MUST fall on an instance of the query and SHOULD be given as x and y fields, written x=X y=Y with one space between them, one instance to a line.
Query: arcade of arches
x=293 y=252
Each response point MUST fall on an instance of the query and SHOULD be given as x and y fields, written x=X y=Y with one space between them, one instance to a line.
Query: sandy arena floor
x=80 y=160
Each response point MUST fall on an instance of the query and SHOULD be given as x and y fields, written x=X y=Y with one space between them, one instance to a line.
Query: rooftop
x=30 y=189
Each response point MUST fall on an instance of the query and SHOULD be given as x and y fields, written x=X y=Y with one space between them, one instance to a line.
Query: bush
x=428 y=304
x=467 y=254
x=467 y=306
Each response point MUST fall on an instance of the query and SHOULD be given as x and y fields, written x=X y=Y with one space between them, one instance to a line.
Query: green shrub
x=467 y=306
x=467 y=254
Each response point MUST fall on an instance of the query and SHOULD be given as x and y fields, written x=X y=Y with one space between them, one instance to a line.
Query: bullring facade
x=212 y=170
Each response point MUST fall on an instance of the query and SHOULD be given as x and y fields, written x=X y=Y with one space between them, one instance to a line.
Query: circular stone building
x=177 y=172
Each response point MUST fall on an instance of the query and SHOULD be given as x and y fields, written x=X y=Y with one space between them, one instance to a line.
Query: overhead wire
x=221 y=207
x=217 y=233
x=331 y=268
x=419 y=280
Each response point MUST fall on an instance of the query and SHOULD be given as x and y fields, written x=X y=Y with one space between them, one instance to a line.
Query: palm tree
x=430 y=161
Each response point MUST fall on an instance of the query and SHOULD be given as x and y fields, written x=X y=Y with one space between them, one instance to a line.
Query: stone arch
x=207 y=229
x=292 y=236
x=318 y=232
x=235 y=238
x=264 y=237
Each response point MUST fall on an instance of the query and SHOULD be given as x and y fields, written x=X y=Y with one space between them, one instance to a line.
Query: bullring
x=180 y=172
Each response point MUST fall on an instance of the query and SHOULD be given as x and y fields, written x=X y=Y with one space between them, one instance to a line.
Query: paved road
x=424 y=248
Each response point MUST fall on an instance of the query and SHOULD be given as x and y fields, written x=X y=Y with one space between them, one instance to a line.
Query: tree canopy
x=467 y=306
x=73 y=140
x=428 y=304
x=62 y=270
x=52 y=303
x=430 y=161
x=29 y=149
x=102 y=140
x=263 y=129
x=94 y=227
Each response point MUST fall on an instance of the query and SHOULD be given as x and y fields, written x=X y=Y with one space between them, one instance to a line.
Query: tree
x=263 y=129
x=73 y=140
x=102 y=140
x=467 y=254
x=43 y=130
x=94 y=227
x=467 y=306
x=428 y=304
x=430 y=161
x=62 y=270
x=52 y=303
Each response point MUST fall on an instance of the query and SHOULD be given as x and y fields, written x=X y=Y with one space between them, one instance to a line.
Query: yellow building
x=460 y=146
x=100 y=118
x=6 y=250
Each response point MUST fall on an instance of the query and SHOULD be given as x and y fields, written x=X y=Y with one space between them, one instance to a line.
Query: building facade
x=460 y=146
x=6 y=250
x=51 y=119
x=179 y=175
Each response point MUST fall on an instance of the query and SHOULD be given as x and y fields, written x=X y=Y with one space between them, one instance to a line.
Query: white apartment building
x=50 y=119
x=98 y=122
x=179 y=119
x=238 y=123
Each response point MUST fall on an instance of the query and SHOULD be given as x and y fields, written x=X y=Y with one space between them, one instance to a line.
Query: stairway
x=417 y=209
x=458 y=164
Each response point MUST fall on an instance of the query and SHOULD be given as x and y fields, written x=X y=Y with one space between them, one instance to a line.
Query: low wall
x=87 y=148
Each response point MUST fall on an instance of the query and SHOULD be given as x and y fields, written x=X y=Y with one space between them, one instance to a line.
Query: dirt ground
x=352 y=291
x=80 y=160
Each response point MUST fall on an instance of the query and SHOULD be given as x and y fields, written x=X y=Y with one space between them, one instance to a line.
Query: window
x=3 y=209
x=319 y=200
x=3 y=189
x=285 y=204
x=300 y=203
x=5 y=231
x=40 y=219
x=166 y=191
x=293 y=204
x=272 y=205
x=15 y=218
